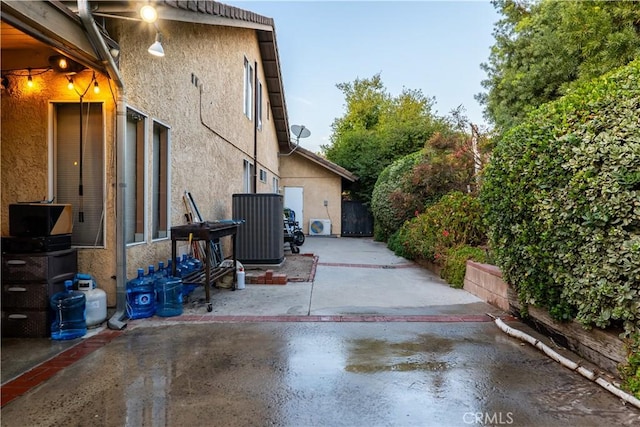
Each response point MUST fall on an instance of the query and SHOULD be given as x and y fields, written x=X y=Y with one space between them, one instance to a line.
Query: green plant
x=562 y=202
x=631 y=370
x=455 y=263
x=456 y=219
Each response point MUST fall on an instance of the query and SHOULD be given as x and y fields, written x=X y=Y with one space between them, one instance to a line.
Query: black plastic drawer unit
x=28 y=281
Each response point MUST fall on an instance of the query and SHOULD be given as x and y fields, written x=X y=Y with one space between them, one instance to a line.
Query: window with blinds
x=79 y=170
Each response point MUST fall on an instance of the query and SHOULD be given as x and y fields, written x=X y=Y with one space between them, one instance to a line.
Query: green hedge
x=456 y=219
x=454 y=267
x=562 y=202
x=387 y=217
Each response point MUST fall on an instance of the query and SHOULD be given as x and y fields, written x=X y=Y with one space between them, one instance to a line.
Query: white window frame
x=161 y=231
x=259 y=106
x=263 y=175
x=247 y=177
x=276 y=185
x=138 y=167
x=248 y=89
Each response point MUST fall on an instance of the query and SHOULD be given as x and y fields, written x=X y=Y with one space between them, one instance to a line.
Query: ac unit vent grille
x=319 y=227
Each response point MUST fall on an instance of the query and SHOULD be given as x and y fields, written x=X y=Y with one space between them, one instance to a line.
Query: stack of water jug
x=75 y=311
x=158 y=292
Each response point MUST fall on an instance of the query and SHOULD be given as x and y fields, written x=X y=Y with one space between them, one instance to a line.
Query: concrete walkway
x=373 y=340
x=353 y=276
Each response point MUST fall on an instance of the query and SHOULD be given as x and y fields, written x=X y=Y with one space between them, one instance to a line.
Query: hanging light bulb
x=96 y=88
x=62 y=63
x=148 y=13
x=70 y=84
x=29 y=79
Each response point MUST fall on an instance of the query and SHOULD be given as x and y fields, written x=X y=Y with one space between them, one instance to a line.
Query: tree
x=545 y=49
x=377 y=129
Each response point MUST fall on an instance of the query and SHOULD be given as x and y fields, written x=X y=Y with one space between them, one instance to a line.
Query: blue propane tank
x=141 y=298
x=69 y=309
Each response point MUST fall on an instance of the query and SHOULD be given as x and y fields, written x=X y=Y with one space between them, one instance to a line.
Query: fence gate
x=357 y=221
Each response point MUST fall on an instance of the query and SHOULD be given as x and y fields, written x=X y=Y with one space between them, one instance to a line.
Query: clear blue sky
x=434 y=46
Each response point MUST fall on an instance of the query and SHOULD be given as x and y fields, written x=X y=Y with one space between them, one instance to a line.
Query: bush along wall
x=562 y=202
x=444 y=232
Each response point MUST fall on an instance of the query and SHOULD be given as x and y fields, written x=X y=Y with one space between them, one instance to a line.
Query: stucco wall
x=210 y=135
x=319 y=184
x=207 y=152
x=26 y=144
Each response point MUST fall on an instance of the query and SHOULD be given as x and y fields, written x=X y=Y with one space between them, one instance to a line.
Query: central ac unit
x=319 y=227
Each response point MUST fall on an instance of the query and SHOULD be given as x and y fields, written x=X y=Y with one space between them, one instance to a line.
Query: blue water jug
x=189 y=267
x=141 y=298
x=169 y=296
x=69 y=308
x=198 y=266
x=162 y=271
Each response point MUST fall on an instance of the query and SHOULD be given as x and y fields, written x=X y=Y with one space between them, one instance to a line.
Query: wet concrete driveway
x=373 y=341
x=317 y=374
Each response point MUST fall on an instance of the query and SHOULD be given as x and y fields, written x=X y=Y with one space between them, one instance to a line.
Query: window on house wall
x=259 y=106
x=248 y=89
x=160 y=184
x=268 y=109
x=78 y=168
x=263 y=175
x=276 y=185
x=134 y=177
x=247 y=177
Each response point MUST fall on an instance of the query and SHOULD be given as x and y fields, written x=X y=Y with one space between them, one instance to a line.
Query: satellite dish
x=300 y=131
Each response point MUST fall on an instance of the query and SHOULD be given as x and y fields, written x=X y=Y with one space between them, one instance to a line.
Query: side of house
x=320 y=184
x=208 y=118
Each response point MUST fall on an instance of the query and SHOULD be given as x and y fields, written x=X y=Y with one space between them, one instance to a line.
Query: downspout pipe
x=567 y=363
x=117 y=321
x=255 y=127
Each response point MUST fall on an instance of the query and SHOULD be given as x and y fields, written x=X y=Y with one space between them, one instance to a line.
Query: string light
x=29 y=79
x=96 y=88
x=70 y=84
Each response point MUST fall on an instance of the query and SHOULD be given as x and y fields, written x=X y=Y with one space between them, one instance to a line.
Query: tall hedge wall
x=562 y=202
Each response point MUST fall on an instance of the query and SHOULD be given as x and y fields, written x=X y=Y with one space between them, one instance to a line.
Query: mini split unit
x=319 y=227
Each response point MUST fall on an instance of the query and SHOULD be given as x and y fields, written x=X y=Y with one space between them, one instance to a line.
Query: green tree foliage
x=562 y=199
x=378 y=128
x=545 y=48
x=411 y=183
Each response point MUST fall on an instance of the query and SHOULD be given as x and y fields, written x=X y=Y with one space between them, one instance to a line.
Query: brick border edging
x=40 y=373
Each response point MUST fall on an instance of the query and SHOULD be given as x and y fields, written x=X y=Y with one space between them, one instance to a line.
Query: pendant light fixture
x=156 y=48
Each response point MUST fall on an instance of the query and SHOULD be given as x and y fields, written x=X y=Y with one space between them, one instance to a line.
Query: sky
x=432 y=46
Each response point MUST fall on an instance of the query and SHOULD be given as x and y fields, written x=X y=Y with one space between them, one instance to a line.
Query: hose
x=567 y=363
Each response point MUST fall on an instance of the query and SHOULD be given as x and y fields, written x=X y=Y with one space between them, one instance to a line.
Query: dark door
x=357 y=221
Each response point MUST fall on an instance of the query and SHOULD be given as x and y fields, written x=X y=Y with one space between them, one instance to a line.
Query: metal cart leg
x=207 y=283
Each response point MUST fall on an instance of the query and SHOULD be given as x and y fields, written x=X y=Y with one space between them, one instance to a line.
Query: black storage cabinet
x=260 y=240
x=28 y=281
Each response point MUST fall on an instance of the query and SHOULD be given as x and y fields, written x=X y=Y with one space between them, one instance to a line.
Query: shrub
x=630 y=372
x=418 y=180
x=455 y=263
x=456 y=219
x=562 y=201
x=387 y=215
